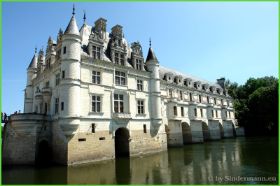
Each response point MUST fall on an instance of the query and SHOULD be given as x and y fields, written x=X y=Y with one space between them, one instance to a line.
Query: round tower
x=31 y=74
x=153 y=66
x=70 y=71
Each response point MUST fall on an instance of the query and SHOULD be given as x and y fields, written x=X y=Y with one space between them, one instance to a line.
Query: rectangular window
x=144 y=128
x=212 y=113
x=82 y=139
x=93 y=128
x=215 y=101
x=181 y=95
x=199 y=98
x=56 y=105
x=222 y=101
x=182 y=111
x=62 y=106
x=95 y=104
x=191 y=99
x=226 y=114
x=138 y=64
x=175 y=110
x=95 y=77
x=122 y=59
x=170 y=92
x=208 y=100
x=120 y=78
x=63 y=74
x=117 y=58
x=47 y=84
x=140 y=85
x=96 y=52
x=64 y=50
x=140 y=107
x=57 y=79
x=195 y=112
x=201 y=112
x=229 y=114
x=216 y=114
x=118 y=103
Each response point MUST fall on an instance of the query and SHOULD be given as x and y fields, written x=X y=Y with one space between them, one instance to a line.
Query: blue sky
x=234 y=40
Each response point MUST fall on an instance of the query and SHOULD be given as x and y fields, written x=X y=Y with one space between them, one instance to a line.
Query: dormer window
x=218 y=91
x=138 y=64
x=119 y=58
x=96 y=54
x=195 y=85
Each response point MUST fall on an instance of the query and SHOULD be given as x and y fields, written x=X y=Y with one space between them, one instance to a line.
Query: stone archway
x=122 y=142
x=44 y=153
x=186 y=132
x=221 y=130
x=205 y=130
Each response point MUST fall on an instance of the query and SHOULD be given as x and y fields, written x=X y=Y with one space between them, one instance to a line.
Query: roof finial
x=73 y=10
x=150 y=42
x=35 y=49
x=84 y=16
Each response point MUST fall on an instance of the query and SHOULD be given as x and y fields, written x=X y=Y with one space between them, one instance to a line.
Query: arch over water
x=205 y=130
x=44 y=153
x=186 y=132
x=122 y=142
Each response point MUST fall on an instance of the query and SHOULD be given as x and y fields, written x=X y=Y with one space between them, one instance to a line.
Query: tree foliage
x=256 y=105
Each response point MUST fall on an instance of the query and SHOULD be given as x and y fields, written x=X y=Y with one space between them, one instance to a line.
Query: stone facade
x=91 y=91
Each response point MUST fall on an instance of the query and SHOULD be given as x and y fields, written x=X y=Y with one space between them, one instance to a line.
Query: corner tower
x=153 y=67
x=69 y=97
x=31 y=74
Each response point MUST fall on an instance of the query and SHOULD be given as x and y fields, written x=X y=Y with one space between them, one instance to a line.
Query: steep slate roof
x=33 y=63
x=151 y=55
x=164 y=70
x=72 y=27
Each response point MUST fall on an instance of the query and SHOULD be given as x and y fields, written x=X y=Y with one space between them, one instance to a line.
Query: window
x=47 y=84
x=212 y=113
x=62 y=106
x=93 y=128
x=170 y=92
x=138 y=64
x=226 y=114
x=95 y=77
x=64 y=50
x=199 y=98
x=119 y=58
x=140 y=106
x=229 y=114
x=175 y=110
x=195 y=112
x=57 y=79
x=63 y=74
x=208 y=100
x=222 y=101
x=56 y=105
x=95 y=103
x=139 y=85
x=201 y=112
x=120 y=78
x=190 y=97
x=216 y=114
x=182 y=111
x=118 y=103
x=144 y=128
x=215 y=101
x=181 y=95
x=96 y=52
x=195 y=85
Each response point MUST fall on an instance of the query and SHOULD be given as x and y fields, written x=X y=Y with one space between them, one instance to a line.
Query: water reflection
x=194 y=164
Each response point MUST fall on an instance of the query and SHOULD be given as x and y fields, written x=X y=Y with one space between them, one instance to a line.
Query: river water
x=228 y=161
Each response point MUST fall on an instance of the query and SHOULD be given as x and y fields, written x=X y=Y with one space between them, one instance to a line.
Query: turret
x=31 y=74
x=153 y=67
x=70 y=70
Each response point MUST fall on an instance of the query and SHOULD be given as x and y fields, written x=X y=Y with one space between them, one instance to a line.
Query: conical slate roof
x=151 y=55
x=72 y=27
x=33 y=63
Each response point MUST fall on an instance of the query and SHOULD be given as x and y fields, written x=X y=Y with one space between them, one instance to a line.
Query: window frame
x=120 y=78
x=96 y=77
x=140 y=84
x=96 y=104
x=140 y=106
x=118 y=103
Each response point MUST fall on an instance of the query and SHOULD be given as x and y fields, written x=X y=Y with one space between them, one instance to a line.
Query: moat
x=229 y=161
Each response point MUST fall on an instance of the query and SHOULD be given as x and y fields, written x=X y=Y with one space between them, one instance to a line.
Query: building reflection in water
x=193 y=164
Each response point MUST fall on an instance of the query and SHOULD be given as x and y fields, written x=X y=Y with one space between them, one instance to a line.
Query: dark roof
x=72 y=27
x=33 y=63
x=151 y=55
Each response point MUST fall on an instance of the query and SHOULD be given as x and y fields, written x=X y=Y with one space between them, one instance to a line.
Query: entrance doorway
x=122 y=142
